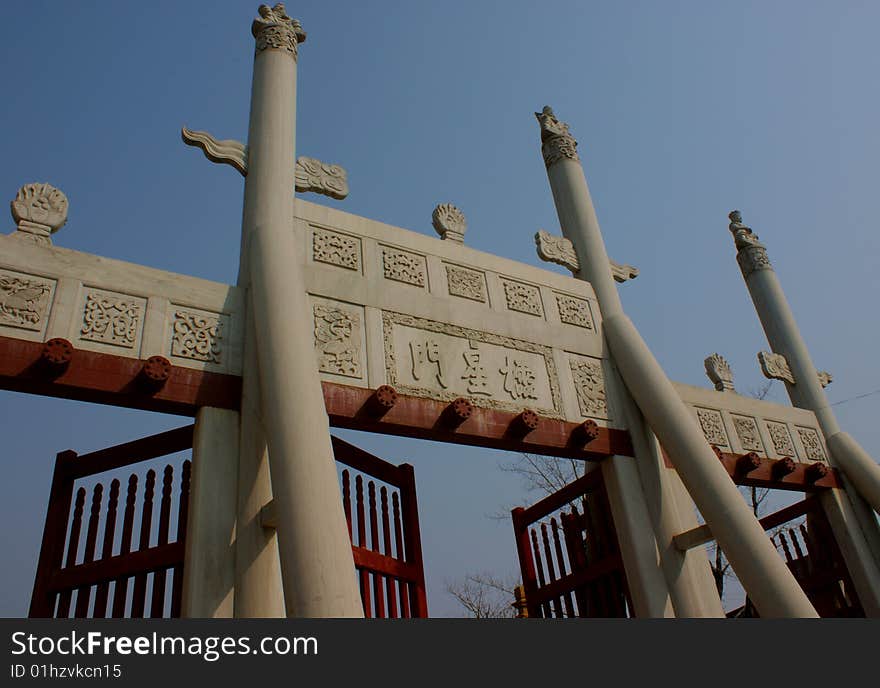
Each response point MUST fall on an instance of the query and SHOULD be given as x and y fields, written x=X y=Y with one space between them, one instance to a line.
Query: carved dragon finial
x=39 y=210
x=557 y=143
x=274 y=29
x=751 y=253
x=449 y=222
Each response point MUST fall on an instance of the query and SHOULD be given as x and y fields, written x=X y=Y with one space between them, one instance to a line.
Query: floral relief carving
x=747 y=432
x=111 y=318
x=23 y=302
x=713 y=426
x=781 y=439
x=338 y=341
x=197 y=336
x=403 y=266
x=469 y=284
x=336 y=249
x=589 y=384
x=574 y=311
x=523 y=298
x=812 y=444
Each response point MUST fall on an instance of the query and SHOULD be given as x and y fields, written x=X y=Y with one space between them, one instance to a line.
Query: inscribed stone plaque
x=441 y=361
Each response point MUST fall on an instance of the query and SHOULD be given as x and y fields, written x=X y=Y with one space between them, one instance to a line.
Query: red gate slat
x=107 y=548
x=386 y=532
x=120 y=592
x=139 y=594
x=182 y=517
x=157 y=605
x=402 y=586
x=362 y=542
x=378 y=580
x=72 y=547
x=84 y=593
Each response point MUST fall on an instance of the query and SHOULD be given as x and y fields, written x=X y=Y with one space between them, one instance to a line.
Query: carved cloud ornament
x=310 y=175
x=39 y=210
x=449 y=222
x=324 y=179
x=825 y=378
x=718 y=370
x=559 y=250
x=225 y=152
x=275 y=30
x=775 y=367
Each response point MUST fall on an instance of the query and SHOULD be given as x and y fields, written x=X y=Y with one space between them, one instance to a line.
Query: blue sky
x=683 y=111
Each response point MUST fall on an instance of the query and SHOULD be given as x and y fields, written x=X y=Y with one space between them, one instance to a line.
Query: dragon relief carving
x=23 y=302
x=338 y=341
x=589 y=385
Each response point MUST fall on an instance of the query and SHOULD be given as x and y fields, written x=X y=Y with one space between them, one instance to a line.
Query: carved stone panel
x=442 y=361
x=24 y=300
x=336 y=249
x=748 y=434
x=338 y=334
x=524 y=298
x=713 y=427
x=198 y=335
x=781 y=438
x=111 y=318
x=573 y=311
x=589 y=386
x=467 y=283
x=812 y=444
x=403 y=266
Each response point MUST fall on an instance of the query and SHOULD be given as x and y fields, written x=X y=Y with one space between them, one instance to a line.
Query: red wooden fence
x=89 y=574
x=383 y=524
x=569 y=555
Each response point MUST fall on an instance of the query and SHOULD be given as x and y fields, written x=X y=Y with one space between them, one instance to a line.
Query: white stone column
x=854 y=526
x=317 y=568
x=209 y=565
x=760 y=569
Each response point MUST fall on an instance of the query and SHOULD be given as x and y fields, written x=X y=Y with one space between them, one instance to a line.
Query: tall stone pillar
x=854 y=526
x=282 y=398
x=760 y=569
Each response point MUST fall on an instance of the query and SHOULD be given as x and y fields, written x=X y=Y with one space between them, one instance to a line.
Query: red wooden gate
x=71 y=564
x=127 y=574
x=384 y=531
x=569 y=554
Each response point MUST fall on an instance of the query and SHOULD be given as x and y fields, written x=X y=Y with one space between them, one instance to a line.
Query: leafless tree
x=484 y=596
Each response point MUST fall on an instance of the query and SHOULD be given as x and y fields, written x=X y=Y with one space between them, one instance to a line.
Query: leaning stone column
x=760 y=569
x=785 y=339
x=317 y=568
x=854 y=526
